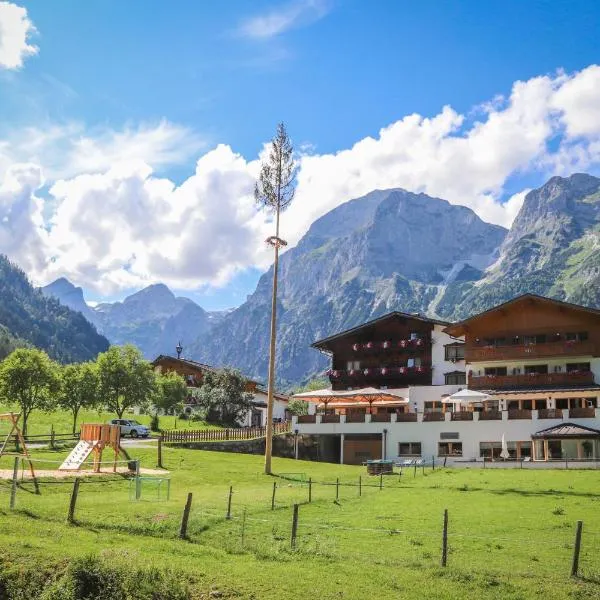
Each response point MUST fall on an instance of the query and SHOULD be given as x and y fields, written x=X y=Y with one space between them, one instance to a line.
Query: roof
x=457 y=329
x=191 y=363
x=390 y=315
x=567 y=430
x=277 y=395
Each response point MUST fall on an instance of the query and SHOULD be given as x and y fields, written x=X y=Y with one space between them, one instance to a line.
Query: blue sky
x=335 y=71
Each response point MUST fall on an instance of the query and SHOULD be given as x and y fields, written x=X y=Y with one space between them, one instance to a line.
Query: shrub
x=155 y=423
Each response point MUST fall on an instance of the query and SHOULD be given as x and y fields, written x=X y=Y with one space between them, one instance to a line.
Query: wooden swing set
x=13 y=419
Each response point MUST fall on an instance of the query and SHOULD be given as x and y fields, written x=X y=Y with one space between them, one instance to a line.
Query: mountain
x=27 y=316
x=552 y=249
x=390 y=249
x=153 y=319
x=69 y=295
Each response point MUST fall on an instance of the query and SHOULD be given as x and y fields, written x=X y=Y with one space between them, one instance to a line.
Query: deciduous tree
x=79 y=388
x=29 y=379
x=171 y=392
x=223 y=397
x=126 y=379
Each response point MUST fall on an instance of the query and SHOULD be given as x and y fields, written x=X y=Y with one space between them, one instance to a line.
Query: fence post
x=138 y=483
x=73 y=503
x=337 y=489
x=310 y=489
x=52 y=436
x=445 y=539
x=294 y=526
x=185 y=517
x=273 y=496
x=433 y=463
x=445 y=458
x=15 y=478
x=415 y=471
x=380 y=481
x=359 y=486
x=243 y=526
x=229 y=502
x=576 y=549
x=159 y=450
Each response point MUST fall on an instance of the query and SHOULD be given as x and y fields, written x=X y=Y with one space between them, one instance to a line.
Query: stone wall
x=283 y=446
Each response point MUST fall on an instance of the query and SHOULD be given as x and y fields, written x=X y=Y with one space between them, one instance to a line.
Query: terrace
x=485 y=382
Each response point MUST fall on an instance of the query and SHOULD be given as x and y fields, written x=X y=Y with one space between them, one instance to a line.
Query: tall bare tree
x=274 y=191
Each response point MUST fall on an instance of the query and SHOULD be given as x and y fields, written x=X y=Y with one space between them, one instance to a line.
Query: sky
x=131 y=133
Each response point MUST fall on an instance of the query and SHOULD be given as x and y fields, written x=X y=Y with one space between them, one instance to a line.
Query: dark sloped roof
x=390 y=315
x=454 y=329
x=567 y=430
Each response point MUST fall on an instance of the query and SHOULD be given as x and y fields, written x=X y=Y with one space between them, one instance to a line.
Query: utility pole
x=274 y=191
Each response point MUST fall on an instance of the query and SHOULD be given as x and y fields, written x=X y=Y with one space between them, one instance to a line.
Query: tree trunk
x=120 y=412
x=75 y=413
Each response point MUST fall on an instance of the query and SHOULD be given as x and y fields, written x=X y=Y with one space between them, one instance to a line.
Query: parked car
x=131 y=427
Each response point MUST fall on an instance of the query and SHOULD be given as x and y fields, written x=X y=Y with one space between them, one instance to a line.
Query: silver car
x=131 y=428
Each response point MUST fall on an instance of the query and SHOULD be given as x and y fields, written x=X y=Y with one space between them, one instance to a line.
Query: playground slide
x=77 y=456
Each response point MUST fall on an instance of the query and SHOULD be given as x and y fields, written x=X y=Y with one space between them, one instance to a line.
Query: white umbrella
x=504 y=453
x=468 y=396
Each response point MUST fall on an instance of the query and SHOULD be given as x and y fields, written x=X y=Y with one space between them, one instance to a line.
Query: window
x=557 y=368
x=456 y=378
x=576 y=367
x=432 y=407
x=495 y=371
x=414 y=362
x=409 y=449
x=516 y=371
x=580 y=336
x=353 y=365
x=454 y=352
x=414 y=336
x=536 y=369
x=449 y=435
x=449 y=448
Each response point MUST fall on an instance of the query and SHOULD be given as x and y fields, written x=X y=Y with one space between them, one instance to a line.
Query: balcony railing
x=519 y=414
x=434 y=416
x=355 y=418
x=378 y=373
x=406 y=417
x=462 y=416
x=307 y=418
x=582 y=413
x=534 y=380
x=490 y=415
x=330 y=419
x=550 y=413
x=381 y=418
x=474 y=353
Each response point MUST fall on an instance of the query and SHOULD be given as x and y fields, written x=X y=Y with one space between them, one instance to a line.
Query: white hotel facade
x=534 y=364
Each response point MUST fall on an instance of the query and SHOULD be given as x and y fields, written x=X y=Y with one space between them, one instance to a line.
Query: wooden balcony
x=534 y=380
x=476 y=353
x=582 y=413
x=550 y=413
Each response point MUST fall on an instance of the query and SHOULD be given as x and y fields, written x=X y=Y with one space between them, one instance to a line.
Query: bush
x=155 y=423
x=183 y=416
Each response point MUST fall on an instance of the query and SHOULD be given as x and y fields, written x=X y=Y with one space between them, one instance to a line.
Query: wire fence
x=368 y=520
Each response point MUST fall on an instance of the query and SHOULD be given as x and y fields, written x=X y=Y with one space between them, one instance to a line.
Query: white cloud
x=111 y=224
x=15 y=29
x=289 y=16
x=69 y=149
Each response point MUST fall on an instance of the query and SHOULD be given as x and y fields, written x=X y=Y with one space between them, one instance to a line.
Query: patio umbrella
x=504 y=453
x=468 y=396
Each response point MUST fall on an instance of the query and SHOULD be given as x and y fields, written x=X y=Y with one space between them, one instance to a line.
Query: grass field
x=40 y=423
x=511 y=532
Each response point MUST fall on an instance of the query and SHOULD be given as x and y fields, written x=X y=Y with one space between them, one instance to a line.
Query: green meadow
x=510 y=536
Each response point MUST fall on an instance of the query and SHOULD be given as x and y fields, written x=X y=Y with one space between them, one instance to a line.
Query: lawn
x=511 y=532
x=40 y=423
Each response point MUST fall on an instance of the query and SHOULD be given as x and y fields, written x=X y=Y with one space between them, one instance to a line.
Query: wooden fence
x=221 y=435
